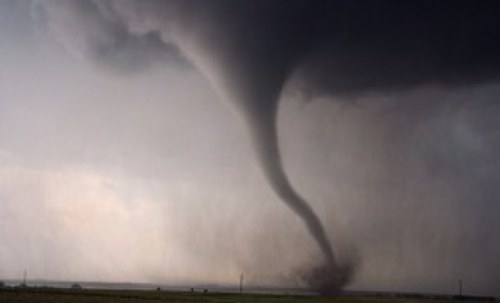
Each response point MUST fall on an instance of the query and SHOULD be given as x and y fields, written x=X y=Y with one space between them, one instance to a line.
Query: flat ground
x=118 y=296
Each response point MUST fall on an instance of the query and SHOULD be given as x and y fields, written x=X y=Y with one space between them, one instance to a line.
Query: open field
x=41 y=295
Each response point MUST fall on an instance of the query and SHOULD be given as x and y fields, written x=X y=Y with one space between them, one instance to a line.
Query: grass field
x=40 y=295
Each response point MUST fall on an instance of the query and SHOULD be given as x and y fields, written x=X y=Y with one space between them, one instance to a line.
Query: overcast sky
x=145 y=173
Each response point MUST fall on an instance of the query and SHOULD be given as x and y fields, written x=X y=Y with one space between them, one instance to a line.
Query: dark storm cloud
x=351 y=47
x=251 y=49
x=92 y=29
x=391 y=45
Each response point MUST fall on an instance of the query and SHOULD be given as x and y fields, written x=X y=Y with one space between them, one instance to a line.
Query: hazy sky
x=143 y=172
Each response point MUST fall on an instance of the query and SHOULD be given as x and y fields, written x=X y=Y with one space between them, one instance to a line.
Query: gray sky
x=150 y=175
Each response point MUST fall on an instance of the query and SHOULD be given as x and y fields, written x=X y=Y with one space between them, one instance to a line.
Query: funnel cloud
x=254 y=53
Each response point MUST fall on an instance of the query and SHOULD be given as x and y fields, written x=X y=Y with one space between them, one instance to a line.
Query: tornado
x=265 y=141
x=243 y=74
x=329 y=276
x=249 y=50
